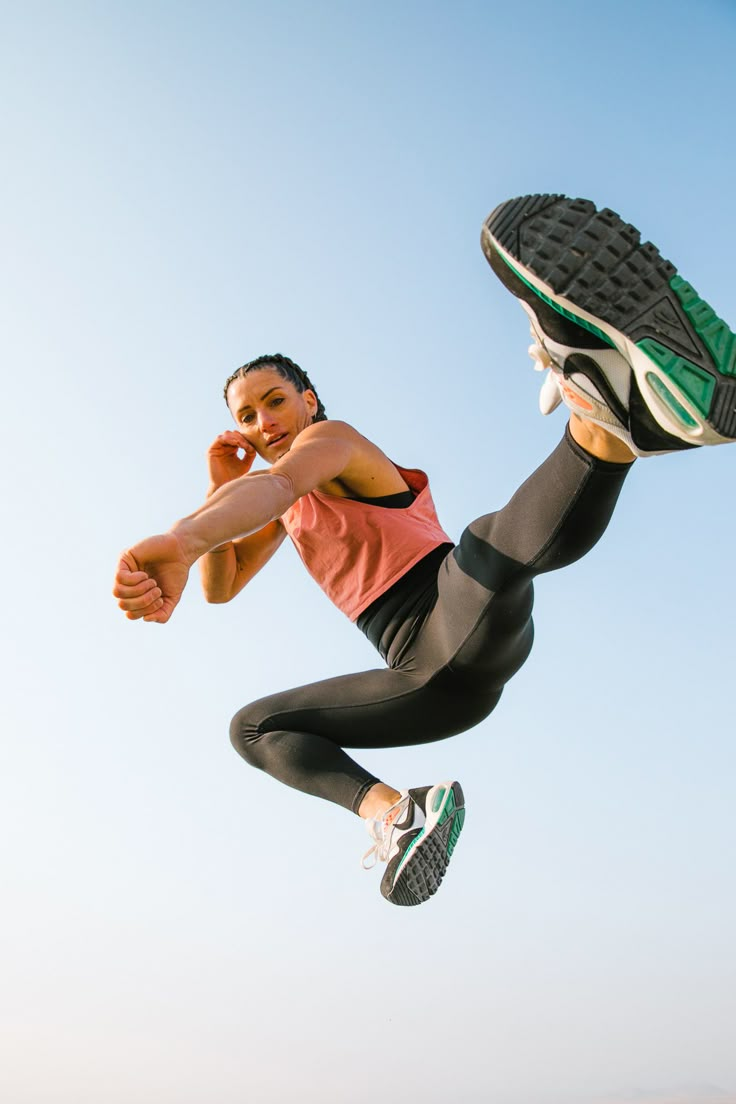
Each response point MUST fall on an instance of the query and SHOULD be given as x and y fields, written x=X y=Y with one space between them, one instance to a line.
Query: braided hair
x=285 y=368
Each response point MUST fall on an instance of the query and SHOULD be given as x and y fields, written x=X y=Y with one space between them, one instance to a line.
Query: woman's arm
x=151 y=575
x=243 y=506
x=225 y=571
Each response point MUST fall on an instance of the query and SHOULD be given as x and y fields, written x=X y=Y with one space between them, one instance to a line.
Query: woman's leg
x=298 y=736
x=482 y=622
x=452 y=675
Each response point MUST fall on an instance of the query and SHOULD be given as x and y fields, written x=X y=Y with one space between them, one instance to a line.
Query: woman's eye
x=246 y=419
x=277 y=401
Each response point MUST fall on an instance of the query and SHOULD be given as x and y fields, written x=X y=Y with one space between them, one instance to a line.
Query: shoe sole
x=592 y=268
x=425 y=860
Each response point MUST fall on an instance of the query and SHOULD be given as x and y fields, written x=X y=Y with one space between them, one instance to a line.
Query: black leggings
x=447 y=673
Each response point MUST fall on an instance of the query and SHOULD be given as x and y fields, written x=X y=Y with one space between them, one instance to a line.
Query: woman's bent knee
x=245 y=734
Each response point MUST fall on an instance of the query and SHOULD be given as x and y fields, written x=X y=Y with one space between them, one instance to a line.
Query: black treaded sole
x=598 y=262
x=422 y=876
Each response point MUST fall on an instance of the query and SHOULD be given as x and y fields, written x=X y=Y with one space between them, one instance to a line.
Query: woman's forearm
x=237 y=509
x=217 y=570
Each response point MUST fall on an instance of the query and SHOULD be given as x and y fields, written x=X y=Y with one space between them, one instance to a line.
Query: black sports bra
x=398 y=501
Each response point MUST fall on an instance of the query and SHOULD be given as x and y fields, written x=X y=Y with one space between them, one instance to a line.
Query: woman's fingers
x=129 y=584
x=230 y=441
x=143 y=603
x=149 y=612
x=137 y=593
x=161 y=615
x=140 y=601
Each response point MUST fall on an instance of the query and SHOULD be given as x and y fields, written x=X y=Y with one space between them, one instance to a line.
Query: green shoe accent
x=671 y=401
x=449 y=808
x=694 y=382
x=439 y=797
x=715 y=334
x=455 y=831
x=560 y=310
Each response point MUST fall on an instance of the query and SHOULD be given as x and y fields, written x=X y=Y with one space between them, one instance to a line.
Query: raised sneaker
x=416 y=838
x=630 y=345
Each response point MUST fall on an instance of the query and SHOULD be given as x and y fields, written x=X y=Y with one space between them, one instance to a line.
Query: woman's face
x=269 y=411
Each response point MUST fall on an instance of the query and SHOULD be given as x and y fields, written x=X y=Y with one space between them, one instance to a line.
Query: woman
x=645 y=367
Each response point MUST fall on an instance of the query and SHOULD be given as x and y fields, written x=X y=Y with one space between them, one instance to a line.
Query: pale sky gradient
x=185 y=186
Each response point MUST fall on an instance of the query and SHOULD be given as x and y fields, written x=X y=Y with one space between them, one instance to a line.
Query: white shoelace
x=549 y=396
x=540 y=356
x=381 y=830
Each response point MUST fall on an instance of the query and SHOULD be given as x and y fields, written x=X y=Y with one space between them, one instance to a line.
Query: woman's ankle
x=377 y=801
x=598 y=442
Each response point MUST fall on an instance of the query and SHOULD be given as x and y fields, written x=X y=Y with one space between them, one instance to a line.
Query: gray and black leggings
x=450 y=648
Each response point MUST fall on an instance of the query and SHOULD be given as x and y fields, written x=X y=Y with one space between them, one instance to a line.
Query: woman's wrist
x=192 y=543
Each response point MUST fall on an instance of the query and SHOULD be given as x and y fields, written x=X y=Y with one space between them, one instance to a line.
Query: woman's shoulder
x=342 y=433
x=332 y=427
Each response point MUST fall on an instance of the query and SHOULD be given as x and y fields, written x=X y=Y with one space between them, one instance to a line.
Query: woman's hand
x=224 y=463
x=150 y=578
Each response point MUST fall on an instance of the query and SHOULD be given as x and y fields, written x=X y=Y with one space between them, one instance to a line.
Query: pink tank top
x=356 y=550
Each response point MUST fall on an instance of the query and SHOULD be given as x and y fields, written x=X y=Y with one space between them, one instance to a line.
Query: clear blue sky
x=185 y=186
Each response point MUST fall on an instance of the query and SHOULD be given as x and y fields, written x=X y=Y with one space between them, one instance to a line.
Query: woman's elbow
x=217 y=599
x=216 y=595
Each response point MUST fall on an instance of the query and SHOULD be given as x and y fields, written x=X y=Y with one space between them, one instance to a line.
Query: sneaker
x=629 y=343
x=416 y=837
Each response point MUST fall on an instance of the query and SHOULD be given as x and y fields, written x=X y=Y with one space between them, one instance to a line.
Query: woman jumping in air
x=645 y=367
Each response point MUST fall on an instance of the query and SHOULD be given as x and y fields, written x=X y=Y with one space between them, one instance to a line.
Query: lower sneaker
x=416 y=838
x=630 y=344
